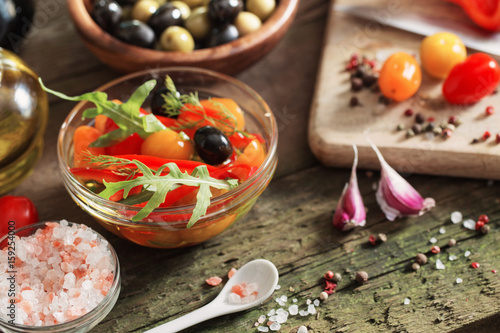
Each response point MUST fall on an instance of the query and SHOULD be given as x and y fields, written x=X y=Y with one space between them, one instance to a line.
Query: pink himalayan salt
x=243 y=293
x=213 y=281
x=62 y=272
x=231 y=272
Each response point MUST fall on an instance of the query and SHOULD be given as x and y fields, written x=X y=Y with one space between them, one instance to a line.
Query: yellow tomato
x=400 y=77
x=231 y=106
x=167 y=144
x=440 y=52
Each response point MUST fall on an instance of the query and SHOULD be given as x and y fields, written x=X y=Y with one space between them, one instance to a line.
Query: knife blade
x=471 y=36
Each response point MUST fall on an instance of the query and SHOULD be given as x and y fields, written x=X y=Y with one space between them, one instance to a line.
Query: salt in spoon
x=259 y=271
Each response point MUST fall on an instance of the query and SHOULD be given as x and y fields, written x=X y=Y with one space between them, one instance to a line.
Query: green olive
x=143 y=9
x=247 y=22
x=198 y=23
x=261 y=8
x=183 y=7
x=176 y=38
x=194 y=3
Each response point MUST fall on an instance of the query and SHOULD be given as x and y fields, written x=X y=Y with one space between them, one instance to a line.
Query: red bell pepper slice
x=154 y=162
x=97 y=175
x=131 y=145
x=485 y=13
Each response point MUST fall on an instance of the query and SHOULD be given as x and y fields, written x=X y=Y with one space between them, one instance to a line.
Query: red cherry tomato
x=471 y=80
x=20 y=210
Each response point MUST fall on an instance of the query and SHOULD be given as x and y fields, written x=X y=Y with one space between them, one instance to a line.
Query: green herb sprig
x=162 y=184
x=126 y=115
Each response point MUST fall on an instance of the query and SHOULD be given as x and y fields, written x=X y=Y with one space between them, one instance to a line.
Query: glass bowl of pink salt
x=56 y=277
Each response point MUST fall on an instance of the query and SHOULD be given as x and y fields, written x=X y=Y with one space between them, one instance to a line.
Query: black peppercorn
x=419 y=118
x=356 y=84
x=354 y=101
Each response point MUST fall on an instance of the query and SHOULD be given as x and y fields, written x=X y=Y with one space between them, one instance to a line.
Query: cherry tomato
x=18 y=209
x=167 y=144
x=440 y=52
x=400 y=77
x=471 y=80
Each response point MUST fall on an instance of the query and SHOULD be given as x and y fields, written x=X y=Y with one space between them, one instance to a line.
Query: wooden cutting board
x=334 y=126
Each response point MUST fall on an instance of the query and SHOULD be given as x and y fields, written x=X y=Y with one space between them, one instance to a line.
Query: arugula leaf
x=126 y=115
x=200 y=177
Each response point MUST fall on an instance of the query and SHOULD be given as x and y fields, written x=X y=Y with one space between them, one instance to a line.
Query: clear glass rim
x=261 y=171
x=115 y=288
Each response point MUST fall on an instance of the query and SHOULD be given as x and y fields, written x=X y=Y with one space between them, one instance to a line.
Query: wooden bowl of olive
x=222 y=35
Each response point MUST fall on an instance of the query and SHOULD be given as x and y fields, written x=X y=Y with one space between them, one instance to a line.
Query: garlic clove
x=395 y=196
x=350 y=211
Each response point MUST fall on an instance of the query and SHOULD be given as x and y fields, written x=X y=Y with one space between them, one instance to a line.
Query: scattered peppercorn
x=362 y=277
x=435 y=249
x=354 y=101
x=400 y=127
x=430 y=119
x=452 y=119
x=474 y=265
x=369 y=80
x=416 y=128
x=484 y=218
x=443 y=124
x=458 y=121
x=356 y=84
x=329 y=275
x=430 y=127
x=486 y=135
x=446 y=133
x=408 y=112
x=485 y=229
x=479 y=225
x=410 y=133
x=415 y=266
x=452 y=242
x=421 y=259
x=382 y=238
x=490 y=110
x=437 y=130
x=475 y=140
x=337 y=277
x=384 y=100
x=494 y=271
x=419 y=118
x=323 y=296
x=451 y=127
x=372 y=240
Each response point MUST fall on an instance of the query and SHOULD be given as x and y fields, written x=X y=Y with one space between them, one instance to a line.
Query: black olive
x=126 y=2
x=16 y=17
x=212 y=145
x=107 y=14
x=221 y=35
x=224 y=11
x=164 y=17
x=135 y=32
x=157 y=102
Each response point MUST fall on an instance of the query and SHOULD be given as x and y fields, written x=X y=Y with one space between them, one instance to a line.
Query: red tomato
x=471 y=80
x=20 y=210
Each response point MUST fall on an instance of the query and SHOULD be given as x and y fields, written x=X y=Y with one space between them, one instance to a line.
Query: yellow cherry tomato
x=440 y=52
x=167 y=144
x=239 y=119
x=400 y=77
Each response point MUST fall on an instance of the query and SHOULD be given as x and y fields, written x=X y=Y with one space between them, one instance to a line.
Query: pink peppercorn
x=372 y=240
x=490 y=110
x=486 y=135
x=430 y=119
x=408 y=112
x=452 y=120
x=329 y=275
x=479 y=224
x=497 y=138
x=435 y=249
x=484 y=218
x=475 y=265
x=494 y=271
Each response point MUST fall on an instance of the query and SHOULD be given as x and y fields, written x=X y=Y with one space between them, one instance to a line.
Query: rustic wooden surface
x=335 y=126
x=291 y=223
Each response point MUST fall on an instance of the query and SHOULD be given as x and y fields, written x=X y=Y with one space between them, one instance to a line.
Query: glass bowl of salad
x=168 y=157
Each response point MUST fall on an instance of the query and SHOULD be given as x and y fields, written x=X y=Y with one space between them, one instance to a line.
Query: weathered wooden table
x=291 y=223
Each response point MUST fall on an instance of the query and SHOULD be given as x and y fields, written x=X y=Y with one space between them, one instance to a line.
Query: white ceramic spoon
x=260 y=271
